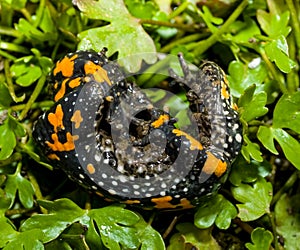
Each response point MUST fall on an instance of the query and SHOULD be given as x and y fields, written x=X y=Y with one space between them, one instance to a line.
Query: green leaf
x=16 y=126
x=74 y=237
x=17 y=182
x=16 y=4
x=217 y=210
x=4 y=204
x=191 y=237
x=141 y=9
x=28 y=240
x=116 y=227
x=255 y=199
x=210 y=20
x=164 y=32
x=209 y=16
x=252 y=105
x=289 y=145
x=122 y=25
x=277 y=51
x=47 y=24
x=241 y=77
x=62 y=213
x=5 y=98
x=26 y=74
x=287 y=112
x=7 y=140
x=261 y=239
x=273 y=24
x=248 y=172
x=92 y=236
x=7 y=231
x=287 y=219
x=251 y=150
x=264 y=134
x=30 y=31
x=243 y=31
x=150 y=239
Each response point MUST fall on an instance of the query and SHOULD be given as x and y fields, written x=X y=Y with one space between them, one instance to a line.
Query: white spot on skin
x=238 y=138
x=235 y=126
x=163 y=193
x=163 y=185
x=111 y=191
x=97 y=158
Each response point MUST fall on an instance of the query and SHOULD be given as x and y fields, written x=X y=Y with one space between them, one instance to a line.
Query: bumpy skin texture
x=94 y=134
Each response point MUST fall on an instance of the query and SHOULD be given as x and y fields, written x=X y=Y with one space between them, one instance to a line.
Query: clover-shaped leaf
x=116 y=227
x=287 y=218
x=277 y=51
x=217 y=210
x=17 y=182
x=5 y=98
x=61 y=214
x=243 y=31
x=241 y=77
x=191 y=237
x=248 y=172
x=261 y=239
x=142 y=9
x=122 y=29
x=264 y=134
x=289 y=144
x=287 y=112
x=7 y=140
x=150 y=239
x=273 y=24
x=26 y=241
x=255 y=199
x=251 y=150
x=252 y=105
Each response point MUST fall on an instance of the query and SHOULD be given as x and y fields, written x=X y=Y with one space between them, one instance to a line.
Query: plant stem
x=9 y=31
x=287 y=185
x=14 y=158
x=39 y=13
x=186 y=39
x=295 y=23
x=7 y=55
x=36 y=187
x=179 y=10
x=12 y=212
x=10 y=85
x=271 y=217
x=35 y=93
x=26 y=14
x=43 y=104
x=13 y=47
x=202 y=46
x=185 y=27
x=276 y=75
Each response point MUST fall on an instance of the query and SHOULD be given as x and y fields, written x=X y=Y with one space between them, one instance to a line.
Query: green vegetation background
x=257 y=43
